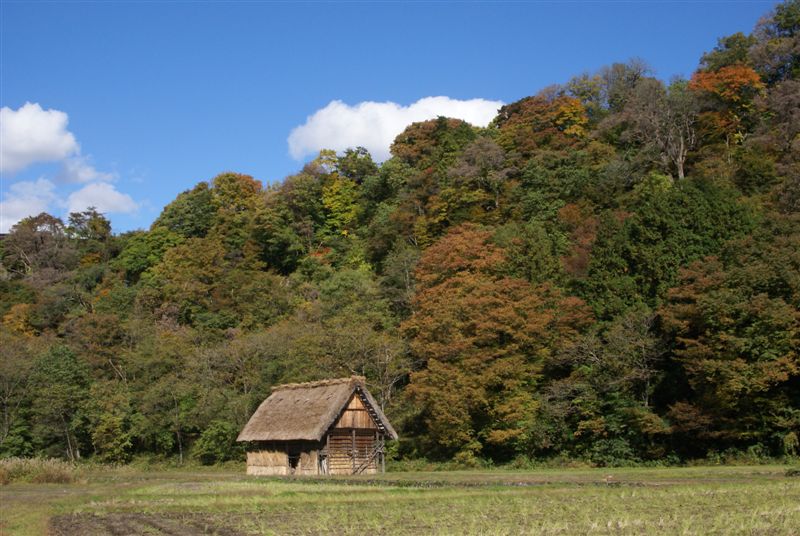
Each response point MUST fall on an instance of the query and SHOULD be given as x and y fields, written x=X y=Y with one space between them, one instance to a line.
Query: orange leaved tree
x=730 y=92
x=483 y=338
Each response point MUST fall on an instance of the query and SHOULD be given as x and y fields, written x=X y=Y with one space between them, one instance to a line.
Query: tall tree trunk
x=178 y=430
x=70 y=451
x=681 y=158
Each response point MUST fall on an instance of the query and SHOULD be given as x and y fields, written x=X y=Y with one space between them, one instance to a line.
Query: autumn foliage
x=732 y=91
x=608 y=272
x=536 y=122
x=484 y=338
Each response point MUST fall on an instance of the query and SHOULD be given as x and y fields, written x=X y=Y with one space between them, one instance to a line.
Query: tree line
x=609 y=271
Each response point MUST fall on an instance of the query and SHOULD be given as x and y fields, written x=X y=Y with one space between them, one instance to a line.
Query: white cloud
x=104 y=197
x=374 y=125
x=29 y=198
x=78 y=169
x=23 y=199
x=31 y=134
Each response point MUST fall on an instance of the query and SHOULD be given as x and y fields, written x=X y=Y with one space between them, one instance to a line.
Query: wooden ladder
x=371 y=411
x=375 y=451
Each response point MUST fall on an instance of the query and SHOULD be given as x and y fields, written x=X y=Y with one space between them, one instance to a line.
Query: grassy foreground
x=698 y=500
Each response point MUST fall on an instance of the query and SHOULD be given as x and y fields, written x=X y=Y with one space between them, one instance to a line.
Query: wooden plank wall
x=340 y=457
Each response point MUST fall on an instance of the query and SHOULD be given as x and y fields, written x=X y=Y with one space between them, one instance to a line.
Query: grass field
x=696 y=500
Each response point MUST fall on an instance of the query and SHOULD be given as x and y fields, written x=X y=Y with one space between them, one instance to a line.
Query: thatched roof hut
x=330 y=426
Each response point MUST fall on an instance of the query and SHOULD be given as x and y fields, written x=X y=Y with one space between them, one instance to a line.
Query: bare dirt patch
x=141 y=524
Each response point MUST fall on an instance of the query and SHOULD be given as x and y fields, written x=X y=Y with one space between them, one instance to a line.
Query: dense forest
x=610 y=271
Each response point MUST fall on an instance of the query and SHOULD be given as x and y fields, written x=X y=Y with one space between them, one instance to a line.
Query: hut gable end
x=356 y=414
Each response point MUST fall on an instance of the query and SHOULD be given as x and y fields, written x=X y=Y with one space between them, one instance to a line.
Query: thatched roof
x=305 y=411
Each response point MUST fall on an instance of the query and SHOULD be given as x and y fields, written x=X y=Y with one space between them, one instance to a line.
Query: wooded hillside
x=609 y=271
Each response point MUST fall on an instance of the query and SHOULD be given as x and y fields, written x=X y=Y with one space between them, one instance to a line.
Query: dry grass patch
x=37 y=471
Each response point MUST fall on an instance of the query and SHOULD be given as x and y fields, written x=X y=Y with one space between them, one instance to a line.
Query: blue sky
x=162 y=95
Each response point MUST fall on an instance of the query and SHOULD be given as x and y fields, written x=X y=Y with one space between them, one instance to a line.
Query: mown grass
x=698 y=500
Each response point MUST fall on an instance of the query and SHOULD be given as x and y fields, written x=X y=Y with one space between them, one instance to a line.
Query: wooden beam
x=328 y=448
